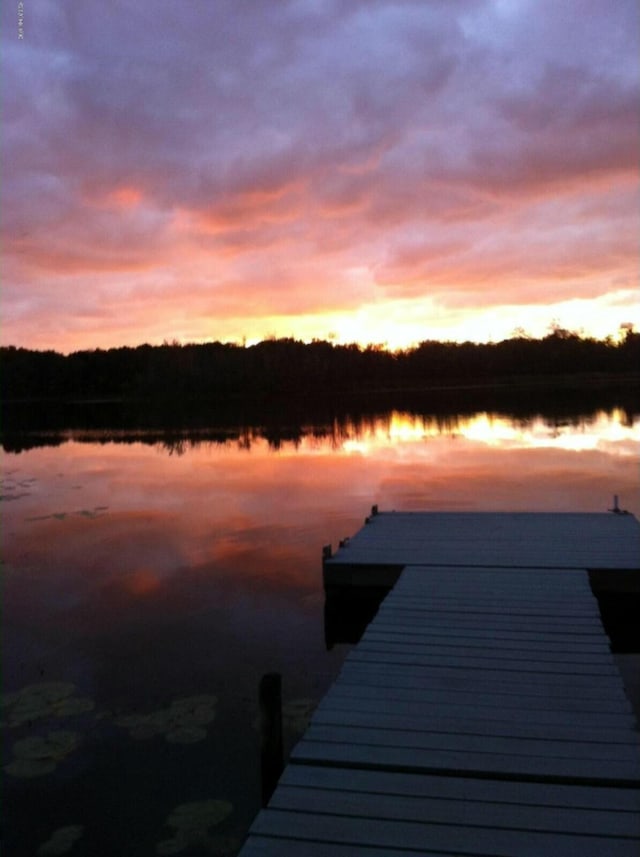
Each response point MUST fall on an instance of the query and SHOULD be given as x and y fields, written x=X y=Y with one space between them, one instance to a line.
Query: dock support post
x=271 y=755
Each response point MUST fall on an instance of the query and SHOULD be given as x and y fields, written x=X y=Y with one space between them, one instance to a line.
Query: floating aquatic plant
x=186 y=735
x=41 y=754
x=296 y=714
x=191 y=823
x=92 y=514
x=61 y=841
x=182 y=722
x=43 y=700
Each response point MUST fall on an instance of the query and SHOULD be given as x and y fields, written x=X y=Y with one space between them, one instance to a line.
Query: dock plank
x=445 y=678
x=479 y=742
x=466 y=789
x=563 y=642
x=482 y=713
x=512 y=646
x=453 y=620
x=486 y=651
x=601 y=714
x=494 y=540
x=481 y=813
x=488 y=765
x=451 y=707
x=383 y=716
x=426 y=837
x=277 y=846
x=419 y=657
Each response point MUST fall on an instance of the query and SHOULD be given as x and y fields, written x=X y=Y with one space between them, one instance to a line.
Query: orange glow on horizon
x=484 y=183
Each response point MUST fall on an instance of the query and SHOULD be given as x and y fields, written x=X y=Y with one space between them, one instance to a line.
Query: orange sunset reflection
x=246 y=511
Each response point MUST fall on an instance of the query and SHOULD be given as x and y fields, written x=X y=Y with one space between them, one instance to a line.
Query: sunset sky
x=360 y=170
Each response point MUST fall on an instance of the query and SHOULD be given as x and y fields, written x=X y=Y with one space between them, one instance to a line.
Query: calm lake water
x=150 y=582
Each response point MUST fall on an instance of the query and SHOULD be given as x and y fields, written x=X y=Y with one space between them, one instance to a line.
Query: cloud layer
x=381 y=171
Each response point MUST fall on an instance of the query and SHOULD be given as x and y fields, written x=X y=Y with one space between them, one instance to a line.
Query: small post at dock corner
x=271 y=755
x=616 y=508
x=326 y=553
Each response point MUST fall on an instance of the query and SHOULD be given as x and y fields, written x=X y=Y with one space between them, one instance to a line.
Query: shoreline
x=544 y=383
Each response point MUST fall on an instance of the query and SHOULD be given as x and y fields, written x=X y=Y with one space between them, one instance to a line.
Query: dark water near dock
x=153 y=574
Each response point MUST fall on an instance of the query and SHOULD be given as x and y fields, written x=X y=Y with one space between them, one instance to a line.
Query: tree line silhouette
x=197 y=372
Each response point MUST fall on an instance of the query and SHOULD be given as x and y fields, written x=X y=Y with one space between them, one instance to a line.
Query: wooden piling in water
x=271 y=754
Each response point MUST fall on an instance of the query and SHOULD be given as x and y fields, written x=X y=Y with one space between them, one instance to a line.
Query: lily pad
x=26 y=769
x=199 y=815
x=186 y=735
x=74 y=705
x=180 y=723
x=296 y=713
x=40 y=754
x=224 y=846
x=54 y=745
x=195 y=710
x=187 y=703
x=171 y=846
x=144 y=731
x=61 y=841
x=191 y=823
x=46 y=699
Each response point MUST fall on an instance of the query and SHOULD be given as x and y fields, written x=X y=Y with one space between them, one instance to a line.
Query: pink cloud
x=247 y=163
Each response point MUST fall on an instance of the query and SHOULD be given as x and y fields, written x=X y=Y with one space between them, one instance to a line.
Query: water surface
x=150 y=581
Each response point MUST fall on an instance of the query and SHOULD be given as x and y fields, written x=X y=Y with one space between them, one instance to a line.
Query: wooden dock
x=482 y=712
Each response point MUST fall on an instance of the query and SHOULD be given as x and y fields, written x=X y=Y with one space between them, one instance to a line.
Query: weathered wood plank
x=452 y=609
x=520 y=584
x=486 y=556
x=520 y=597
x=486 y=744
x=569 y=584
x=398 y=675
x=470 y=620
x=409 y=656
x=459 y=812
x=428 y=583
x=454 y=762
x=427 y=838
x=467 y=789
x=511 y=646
x=508 y=639
x=486 y=651
x=383 y=716
x=480 y=696
x=571 y=587
x=574 y=598
x=500 y=608
x=498 y=620
x=277 y=846
x=529 y=576
x=561 y=541
x=557 y=611
x=464 y=708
